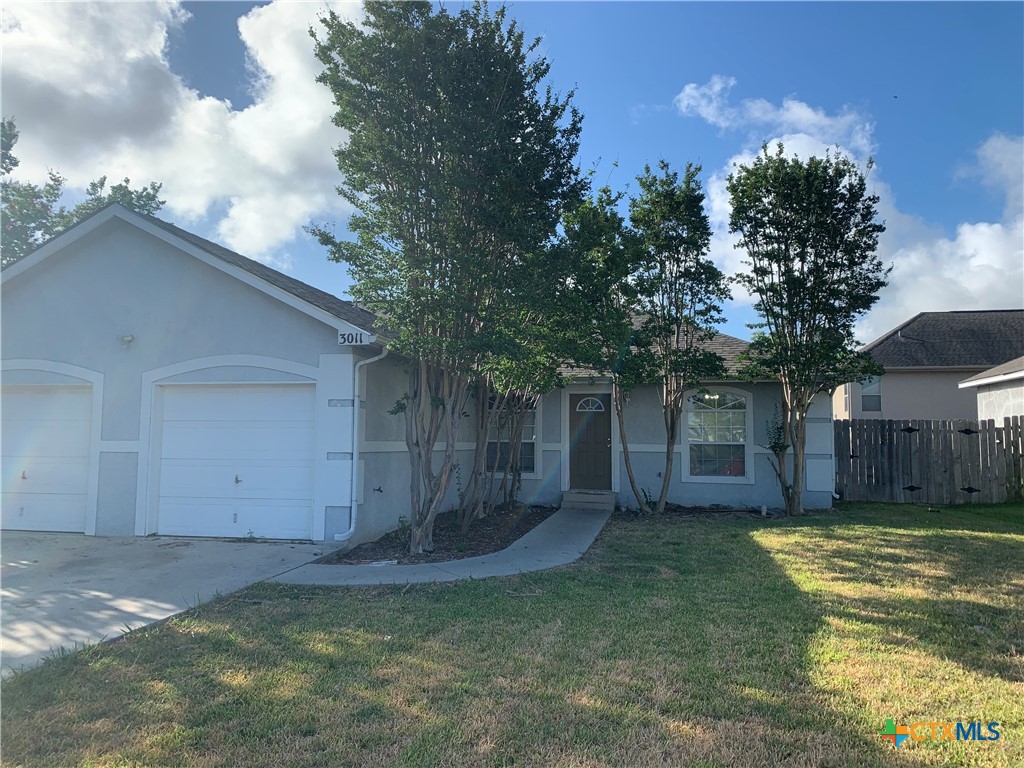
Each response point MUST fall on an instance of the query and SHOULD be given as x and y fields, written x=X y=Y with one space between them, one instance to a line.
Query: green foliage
x=680 y=288
x=459 y=163
x=603 y=303
x=810 y=232
x=8 y=138
x=32 y=214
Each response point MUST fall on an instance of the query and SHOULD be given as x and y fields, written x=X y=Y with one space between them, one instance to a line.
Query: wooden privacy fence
x=935 y=462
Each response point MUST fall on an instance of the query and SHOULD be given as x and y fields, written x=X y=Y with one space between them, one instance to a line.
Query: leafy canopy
x=458 y=164
x=810 y=232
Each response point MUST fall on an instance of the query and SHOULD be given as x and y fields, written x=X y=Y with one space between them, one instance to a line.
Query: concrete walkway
x=559 y=540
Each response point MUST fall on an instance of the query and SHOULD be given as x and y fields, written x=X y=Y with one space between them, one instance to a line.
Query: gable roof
x=313 y=300
x=1014 y=369
x=971 y=339
x=343 y=310
x=728 y=347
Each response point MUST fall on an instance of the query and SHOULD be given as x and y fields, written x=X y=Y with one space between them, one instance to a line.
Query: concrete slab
x=65 y=590
x=559 y=540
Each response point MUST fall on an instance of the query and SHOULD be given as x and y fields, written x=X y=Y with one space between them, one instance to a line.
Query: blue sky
x=217 y=101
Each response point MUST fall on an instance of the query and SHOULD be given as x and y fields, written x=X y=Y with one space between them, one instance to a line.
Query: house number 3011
x=351 y=338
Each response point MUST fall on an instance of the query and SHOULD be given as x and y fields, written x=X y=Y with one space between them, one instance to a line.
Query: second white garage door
x=237 y=461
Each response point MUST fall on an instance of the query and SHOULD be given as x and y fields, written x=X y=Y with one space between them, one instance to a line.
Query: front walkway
x=559 y=540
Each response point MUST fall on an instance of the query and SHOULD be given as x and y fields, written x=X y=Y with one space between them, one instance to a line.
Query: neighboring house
x=156 y=382
x=925 y=359
x=999 y=391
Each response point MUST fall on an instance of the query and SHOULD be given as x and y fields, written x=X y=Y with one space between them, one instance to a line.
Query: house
x=999 y=391
x=155 y=382
x=925 y=359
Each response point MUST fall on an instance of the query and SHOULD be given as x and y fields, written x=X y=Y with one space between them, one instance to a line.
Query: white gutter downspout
x=356 y=410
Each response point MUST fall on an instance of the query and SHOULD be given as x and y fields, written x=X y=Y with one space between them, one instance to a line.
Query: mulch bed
x=715 y=510
x=491 y=534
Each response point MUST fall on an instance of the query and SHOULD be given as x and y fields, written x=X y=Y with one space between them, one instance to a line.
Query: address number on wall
x=354 y=339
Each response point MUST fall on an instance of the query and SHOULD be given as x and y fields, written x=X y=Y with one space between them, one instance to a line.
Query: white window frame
x=538 y=449
x=875 y=383
x=747 y=478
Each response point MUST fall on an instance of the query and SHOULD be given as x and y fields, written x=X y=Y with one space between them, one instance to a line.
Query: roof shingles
x=978 y=339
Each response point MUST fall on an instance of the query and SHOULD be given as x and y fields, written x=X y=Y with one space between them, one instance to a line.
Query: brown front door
x=590 y=446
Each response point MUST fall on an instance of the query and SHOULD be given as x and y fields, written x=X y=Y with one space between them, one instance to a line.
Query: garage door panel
x=187 y=478
x=198 y=517
x=43 y=512
x=249 y=403
x=205 y=517
x=47 y=404
x=232 y=440
x=40 y=474
x=261 y=435
x=44 y=458
x=44 y=438
x=282 y=520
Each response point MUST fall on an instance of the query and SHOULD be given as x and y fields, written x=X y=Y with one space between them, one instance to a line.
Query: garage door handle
x=237 y=480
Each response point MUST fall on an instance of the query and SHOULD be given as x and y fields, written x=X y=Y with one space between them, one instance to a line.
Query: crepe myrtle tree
x=681 y=293
x=810 y=232
x=602 y=308
x=458 y=162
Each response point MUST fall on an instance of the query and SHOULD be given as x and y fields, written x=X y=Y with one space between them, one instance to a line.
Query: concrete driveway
x=64 y=589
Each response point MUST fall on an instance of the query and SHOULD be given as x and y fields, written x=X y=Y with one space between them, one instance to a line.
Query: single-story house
x=925 y=359
x=999 y=391
x=154 y=382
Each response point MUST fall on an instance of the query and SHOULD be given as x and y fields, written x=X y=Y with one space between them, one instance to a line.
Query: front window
x=871 y=394
x=717 y=432
x=499 y=447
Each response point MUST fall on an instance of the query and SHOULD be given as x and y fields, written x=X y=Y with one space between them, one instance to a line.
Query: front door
x=590 y=447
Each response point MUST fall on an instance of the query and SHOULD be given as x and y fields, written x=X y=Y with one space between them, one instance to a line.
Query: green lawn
x=675 y=642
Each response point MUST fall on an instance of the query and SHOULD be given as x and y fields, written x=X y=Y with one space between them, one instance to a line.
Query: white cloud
x=711 y=103
x=980 y=267
x=92 y=92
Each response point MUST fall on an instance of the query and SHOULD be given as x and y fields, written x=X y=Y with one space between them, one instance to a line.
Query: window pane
x=527 y=457
x=871 y=402
x=717 y=460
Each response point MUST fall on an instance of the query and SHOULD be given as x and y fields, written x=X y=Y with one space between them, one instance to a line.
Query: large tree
x=681 y=292
x=458 y=164
x=32 y=213
x=604 y=307
x=810 y=231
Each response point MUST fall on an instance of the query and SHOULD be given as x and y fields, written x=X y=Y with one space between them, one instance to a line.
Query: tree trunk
x=624 y=440
x=436 y=398
x=671 y=432
x=794 y=504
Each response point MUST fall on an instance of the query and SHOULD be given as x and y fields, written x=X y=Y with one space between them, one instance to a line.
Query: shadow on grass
x=952 y=584
x=672 y=643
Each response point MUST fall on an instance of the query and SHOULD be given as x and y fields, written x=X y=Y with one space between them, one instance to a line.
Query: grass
x=699 y=642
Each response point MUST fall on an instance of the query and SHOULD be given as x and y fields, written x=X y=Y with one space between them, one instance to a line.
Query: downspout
x=356 y=411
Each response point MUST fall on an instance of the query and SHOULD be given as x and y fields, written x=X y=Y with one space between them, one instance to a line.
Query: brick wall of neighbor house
x=997 y=401
x=918 y=395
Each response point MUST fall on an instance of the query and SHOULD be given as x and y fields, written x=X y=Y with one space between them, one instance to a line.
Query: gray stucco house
x=999 y=390
x=155 y=382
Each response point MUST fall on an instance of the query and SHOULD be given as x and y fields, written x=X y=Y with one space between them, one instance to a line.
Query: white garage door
x=237 y=461
x=45 y=436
